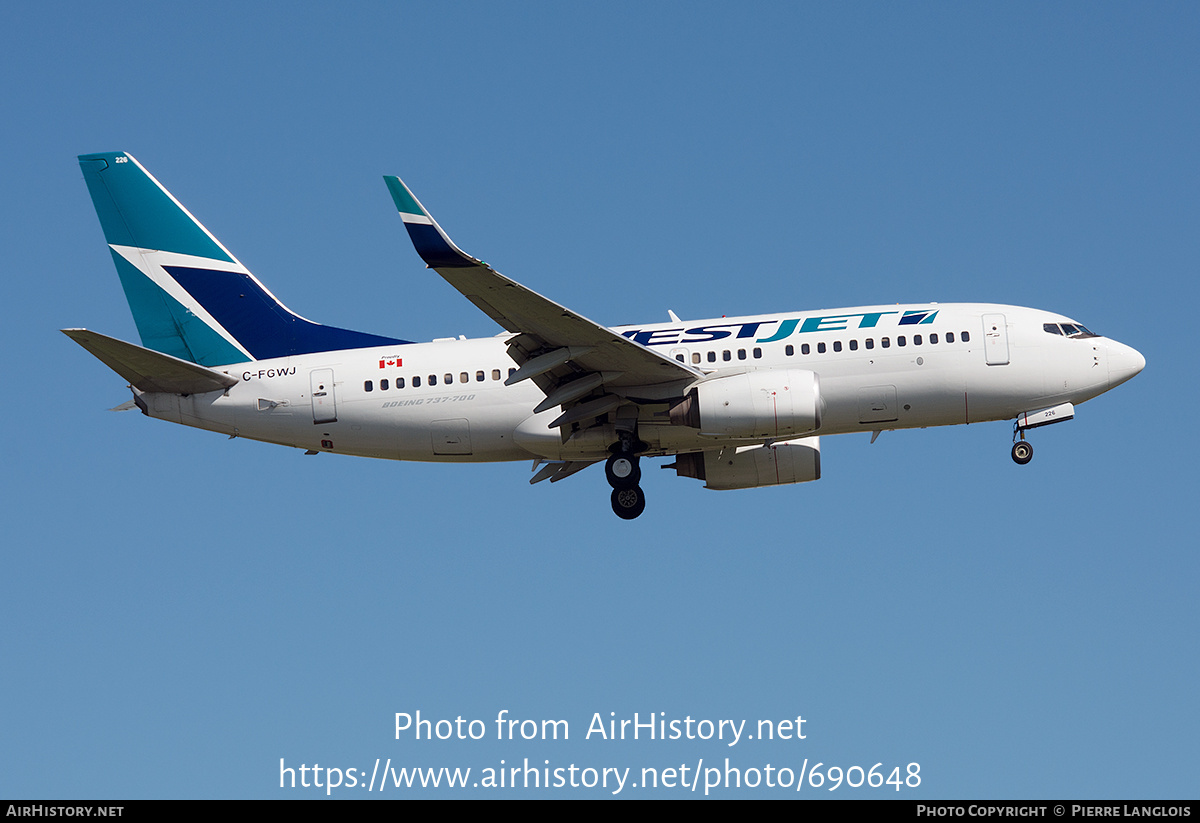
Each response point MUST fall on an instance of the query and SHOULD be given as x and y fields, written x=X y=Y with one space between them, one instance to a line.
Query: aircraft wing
x=561 y=350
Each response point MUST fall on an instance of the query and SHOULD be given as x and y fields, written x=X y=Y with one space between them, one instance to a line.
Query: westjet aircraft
x=740 y=402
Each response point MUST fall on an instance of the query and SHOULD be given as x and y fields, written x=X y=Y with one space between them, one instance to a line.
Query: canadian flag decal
x=383 y=364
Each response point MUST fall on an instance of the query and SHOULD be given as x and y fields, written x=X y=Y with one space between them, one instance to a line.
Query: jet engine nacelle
x=748 y=467
x=767 y=403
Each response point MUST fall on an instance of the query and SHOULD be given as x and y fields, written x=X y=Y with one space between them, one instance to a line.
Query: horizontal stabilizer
x=150 y=371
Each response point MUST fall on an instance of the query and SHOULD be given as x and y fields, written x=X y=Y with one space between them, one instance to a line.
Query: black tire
x=1022 y=452
x=628 y=503
x=623 y=471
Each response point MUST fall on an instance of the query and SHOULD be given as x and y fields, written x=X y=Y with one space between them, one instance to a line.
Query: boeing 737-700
x=739 y=402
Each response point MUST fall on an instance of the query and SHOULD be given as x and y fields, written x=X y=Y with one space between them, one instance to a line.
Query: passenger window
x=399 y=382
x=932 y=339
x=725 y=355
x=949 y=337
x=416 y=382
x=433 y=379
x=757 y=353
x=916 y=339
x=712 y=357
x=741 y=354
x=479 y=376
x=870 y=342
x=805 y=348
x=464 y=378
x=383 y=384
x=789 y=350
x=368 y=386
x=965 y=337
x=853 y=345
x=885 y=342
x=511 y=372
x=695 y=357
x=679 y=357
x=901 y=341
x=837 y=345
x=820 y=348
x=449 y=380
x=495 y=374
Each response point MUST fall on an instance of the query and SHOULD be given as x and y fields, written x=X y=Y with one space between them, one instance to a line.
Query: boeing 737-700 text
x=740 y=402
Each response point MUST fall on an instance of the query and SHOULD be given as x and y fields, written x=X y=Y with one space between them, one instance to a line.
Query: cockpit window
x=1075 y=330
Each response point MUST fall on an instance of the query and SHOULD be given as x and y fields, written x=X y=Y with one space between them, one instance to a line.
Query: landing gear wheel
x=628 y=503
x=1022 y=452
x=622 y=471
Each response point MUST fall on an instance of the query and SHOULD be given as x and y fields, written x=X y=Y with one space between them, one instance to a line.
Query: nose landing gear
x=1022 y=451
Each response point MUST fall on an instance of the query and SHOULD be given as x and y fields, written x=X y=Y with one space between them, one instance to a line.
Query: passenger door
x=995 y=340
x=324 y=403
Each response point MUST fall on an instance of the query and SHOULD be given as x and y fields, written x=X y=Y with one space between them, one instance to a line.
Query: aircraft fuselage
x=741 y=402
x=446 y=400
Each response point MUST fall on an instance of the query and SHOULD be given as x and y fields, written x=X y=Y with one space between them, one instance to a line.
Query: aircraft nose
x=1124 y=362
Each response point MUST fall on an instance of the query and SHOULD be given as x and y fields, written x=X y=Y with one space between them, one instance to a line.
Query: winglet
x=435 y=247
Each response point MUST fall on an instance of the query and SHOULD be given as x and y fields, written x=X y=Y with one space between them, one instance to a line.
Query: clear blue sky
x=180 y=611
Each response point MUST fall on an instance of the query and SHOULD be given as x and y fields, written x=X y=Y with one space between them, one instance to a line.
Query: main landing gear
x=623 y=473
x=628 y=503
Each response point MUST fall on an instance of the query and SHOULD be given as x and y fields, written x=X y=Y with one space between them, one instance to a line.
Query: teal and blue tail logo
x=189 y=296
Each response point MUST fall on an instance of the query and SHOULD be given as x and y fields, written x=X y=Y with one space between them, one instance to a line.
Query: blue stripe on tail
x=259 y=323
x=168 y=327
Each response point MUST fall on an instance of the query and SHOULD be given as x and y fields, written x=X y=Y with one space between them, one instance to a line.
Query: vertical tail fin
x=189 y=296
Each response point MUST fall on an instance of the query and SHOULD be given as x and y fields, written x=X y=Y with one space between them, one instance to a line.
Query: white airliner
x=739 y=401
